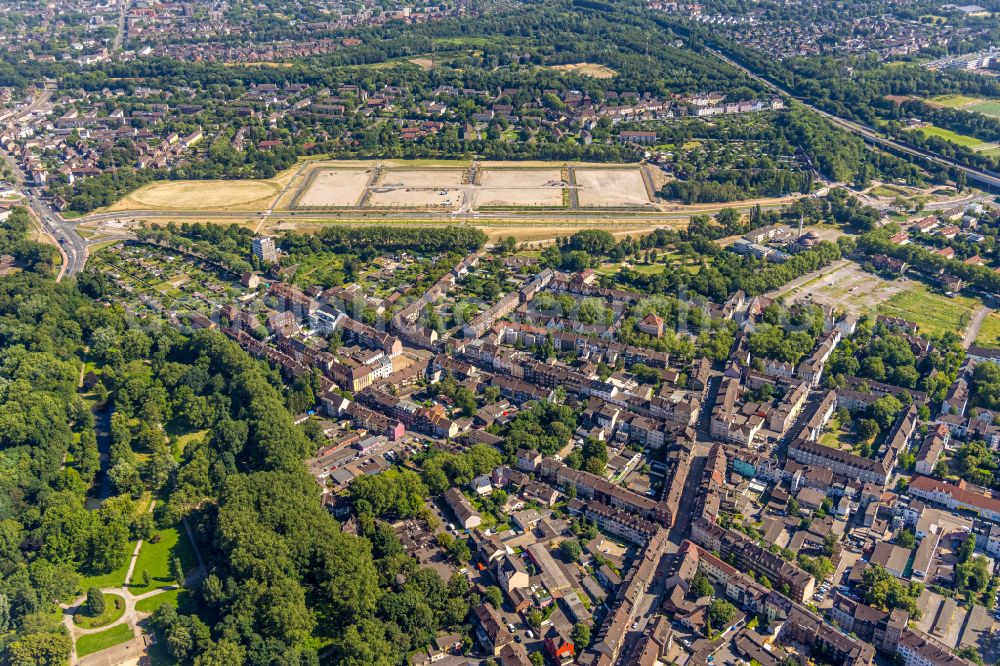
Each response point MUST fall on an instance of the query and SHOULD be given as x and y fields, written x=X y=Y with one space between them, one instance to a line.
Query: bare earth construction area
x=520 y=187
x=610 y=188
x=488 y=186
x=335 y=187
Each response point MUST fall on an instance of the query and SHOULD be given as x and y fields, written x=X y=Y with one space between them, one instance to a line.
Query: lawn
x=176 y=598
x=989 y=334
x=183 y=440
x=156 y=557
x=114 y=608
x=933 y=313
x=954 y=101
x=987 y=107
x=102 y=640
x=958 y=139
x=114 y=579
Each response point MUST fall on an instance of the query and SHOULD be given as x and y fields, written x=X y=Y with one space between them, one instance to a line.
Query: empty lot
x=434 y=178
x=415 y=198
x=520 y=187
x=335 y=187
x=602 y=188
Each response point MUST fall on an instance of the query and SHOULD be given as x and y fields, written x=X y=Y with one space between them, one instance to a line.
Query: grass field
x=114 y=579
x=156 y=557
x=933 y=313
x=178 y=598
x=114 y=608
x=989 y=333
x=102 y=640
x=958 y=139
x=987 y=107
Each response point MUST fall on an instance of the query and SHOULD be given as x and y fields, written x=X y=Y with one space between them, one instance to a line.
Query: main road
x=870 y=135
x=72 y=246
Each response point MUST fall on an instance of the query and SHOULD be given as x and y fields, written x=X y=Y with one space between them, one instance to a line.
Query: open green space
x=114 y=608
x=934 y=314
x=114 y=578
x=958 y=139
x=178 y=598
x=989 y=333
x=955 y=101
x=102 y=640
x=156 y=557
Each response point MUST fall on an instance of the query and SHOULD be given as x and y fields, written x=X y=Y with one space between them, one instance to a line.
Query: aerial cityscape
x=499 y=333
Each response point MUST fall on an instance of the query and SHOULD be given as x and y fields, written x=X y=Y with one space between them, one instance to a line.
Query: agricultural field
x=603 y=188
x=334 y=187
x=587 y=69
x=933 y=313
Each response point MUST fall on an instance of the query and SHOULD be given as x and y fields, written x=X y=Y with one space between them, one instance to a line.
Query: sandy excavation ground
x=335 y=187
x=587 y=69
x=527 y=187
x=600 y=188
x=241 y=195
x=442 y=178
x=415 y=198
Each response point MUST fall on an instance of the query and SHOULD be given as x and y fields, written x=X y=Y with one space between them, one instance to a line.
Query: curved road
x=867 y=133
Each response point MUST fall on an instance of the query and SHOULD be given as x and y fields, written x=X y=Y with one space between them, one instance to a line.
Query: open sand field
x=335 y=187
x=521 y=178
x=525 y=187
x=436 y=178
x=236 y=195
x=415 y=198
x=598 y=188
x=587 y=69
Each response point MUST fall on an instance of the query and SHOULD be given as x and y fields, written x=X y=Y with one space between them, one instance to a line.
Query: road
x=972 y=332
x=120 y=35
x=72 y=246
x=870 y=135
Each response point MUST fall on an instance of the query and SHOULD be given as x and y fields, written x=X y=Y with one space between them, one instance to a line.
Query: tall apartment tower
x=265 y=249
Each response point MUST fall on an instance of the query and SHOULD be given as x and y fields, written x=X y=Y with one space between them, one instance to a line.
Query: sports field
x=987 y=107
